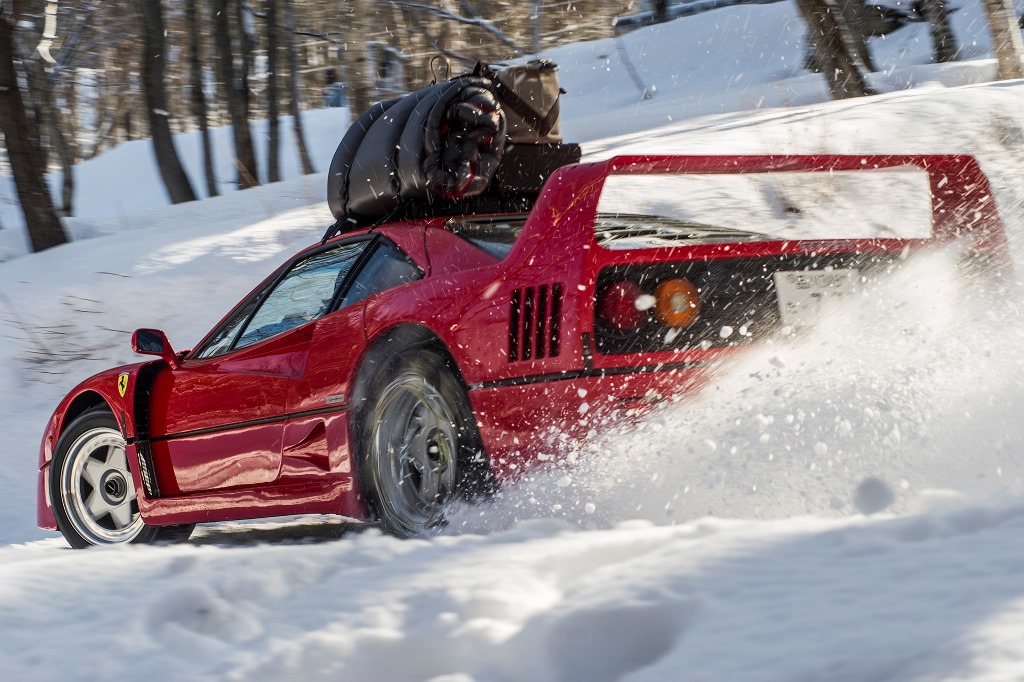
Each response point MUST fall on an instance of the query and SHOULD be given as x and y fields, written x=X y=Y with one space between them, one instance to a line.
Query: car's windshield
x=493 y=234
x=632 y=231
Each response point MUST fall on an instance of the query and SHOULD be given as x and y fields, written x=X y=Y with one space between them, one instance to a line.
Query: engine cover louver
x=534 y=323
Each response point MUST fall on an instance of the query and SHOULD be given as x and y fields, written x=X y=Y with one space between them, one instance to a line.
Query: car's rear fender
x=389 y=341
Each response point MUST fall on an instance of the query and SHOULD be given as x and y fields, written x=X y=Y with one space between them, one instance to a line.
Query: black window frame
x=358 y=269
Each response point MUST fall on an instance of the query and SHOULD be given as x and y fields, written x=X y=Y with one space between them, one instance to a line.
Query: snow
x=845 y=506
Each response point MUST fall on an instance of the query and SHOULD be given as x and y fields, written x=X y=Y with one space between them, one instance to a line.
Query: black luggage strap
x=543 y=124
x=348 y=223
x=344 y=224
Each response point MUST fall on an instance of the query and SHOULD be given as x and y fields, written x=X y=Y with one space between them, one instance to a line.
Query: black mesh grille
x=534 y=323
x=143 y=393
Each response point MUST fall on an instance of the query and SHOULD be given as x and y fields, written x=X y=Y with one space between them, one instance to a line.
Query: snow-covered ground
x=724 y=539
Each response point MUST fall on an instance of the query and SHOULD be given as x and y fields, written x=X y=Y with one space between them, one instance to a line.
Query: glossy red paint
x=266 y=430
x=252 y=503
x=203 y=433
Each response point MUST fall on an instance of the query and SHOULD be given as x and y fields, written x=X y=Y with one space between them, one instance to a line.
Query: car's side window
x=303 y=295
x=386 y=268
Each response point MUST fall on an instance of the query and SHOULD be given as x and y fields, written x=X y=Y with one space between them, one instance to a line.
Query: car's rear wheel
x=419 y=444
x=91 y=487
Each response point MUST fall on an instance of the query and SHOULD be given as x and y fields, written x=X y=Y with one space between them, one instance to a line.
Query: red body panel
x=216 y=400
x=265 y=431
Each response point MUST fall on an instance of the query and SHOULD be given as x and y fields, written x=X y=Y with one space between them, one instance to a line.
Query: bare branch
x=451 y=55
x=49 y=32
x=472 y=21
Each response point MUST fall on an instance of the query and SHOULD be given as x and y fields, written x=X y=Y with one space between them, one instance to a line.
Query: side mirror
x=154 y=342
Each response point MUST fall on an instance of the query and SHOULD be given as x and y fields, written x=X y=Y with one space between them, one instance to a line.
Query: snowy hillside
x=724 y=539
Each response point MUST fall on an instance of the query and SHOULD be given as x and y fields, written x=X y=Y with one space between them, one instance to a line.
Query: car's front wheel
x=419 y=443
x=91 y=487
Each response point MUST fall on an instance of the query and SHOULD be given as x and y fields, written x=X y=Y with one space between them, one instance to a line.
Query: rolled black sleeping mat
x=373 y=186
x=341 y=164
x=452 y=143
x=439 y=143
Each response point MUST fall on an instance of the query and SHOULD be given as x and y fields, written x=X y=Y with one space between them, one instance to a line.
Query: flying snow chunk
x=873 y=495
x=645 y=302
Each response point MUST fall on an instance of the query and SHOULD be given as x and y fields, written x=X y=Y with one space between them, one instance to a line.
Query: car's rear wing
x=948 y=193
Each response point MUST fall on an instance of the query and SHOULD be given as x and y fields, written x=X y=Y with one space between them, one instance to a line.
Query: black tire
x=419 y=448
x=91 y=487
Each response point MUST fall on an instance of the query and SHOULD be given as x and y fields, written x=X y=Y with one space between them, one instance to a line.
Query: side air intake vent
x=534 y=323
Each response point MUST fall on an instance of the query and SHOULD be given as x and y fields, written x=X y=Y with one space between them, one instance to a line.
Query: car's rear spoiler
x=963 y=207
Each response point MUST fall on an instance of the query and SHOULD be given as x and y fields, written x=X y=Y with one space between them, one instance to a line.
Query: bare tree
x=660 y=11
x=293 y=79
x=199 y=96
x=944 y=46
x=358 y=74
x=536 y=24
x=41 y=220
x=154 y=69
x=835 y=49
x=54 y=130
x=1006 y=38
x=273 y=124
x=236 y=91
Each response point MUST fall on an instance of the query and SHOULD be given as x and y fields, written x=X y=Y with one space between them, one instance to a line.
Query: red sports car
x=384 y=372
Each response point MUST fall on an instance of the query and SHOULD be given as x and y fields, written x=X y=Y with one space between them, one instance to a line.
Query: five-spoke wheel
x=91 y=487
x=418 y=442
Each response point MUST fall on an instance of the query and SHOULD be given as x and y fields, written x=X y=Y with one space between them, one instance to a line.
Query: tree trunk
x=56 y=124
x=944 y=47
x=67 y=167
x=660 y=11
x=245 y=156
x=358 y=76
x=1006 y=39
x=247 y=41
x=43 y=225
x=857 y=22
x=834 y=52
x=199 y=97
x=68 y=151
x=293 y=101
x=39 y=93
x=536 y=23
x=273 y=125
x=154 y=68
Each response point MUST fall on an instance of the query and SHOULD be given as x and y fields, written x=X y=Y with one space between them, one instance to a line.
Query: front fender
x=106 y=388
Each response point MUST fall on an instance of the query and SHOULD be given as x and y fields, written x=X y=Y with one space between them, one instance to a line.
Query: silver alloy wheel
x=96 y=488
x=413 y=451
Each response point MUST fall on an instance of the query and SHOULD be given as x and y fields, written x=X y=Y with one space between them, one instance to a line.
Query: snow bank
x=937 y=595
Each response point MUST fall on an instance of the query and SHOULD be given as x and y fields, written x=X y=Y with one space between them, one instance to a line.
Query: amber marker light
x=677 y=302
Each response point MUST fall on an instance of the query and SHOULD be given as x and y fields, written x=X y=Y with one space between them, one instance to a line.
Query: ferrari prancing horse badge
x=122 y=383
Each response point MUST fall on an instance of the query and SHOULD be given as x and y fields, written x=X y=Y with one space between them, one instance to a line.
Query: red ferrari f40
x=391 y=369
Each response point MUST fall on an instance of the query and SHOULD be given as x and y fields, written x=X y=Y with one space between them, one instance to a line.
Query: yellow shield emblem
x=122 y=383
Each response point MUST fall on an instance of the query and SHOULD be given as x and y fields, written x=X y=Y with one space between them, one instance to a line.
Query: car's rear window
x=627 y=231
x=666 y=209
x=493 y=234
